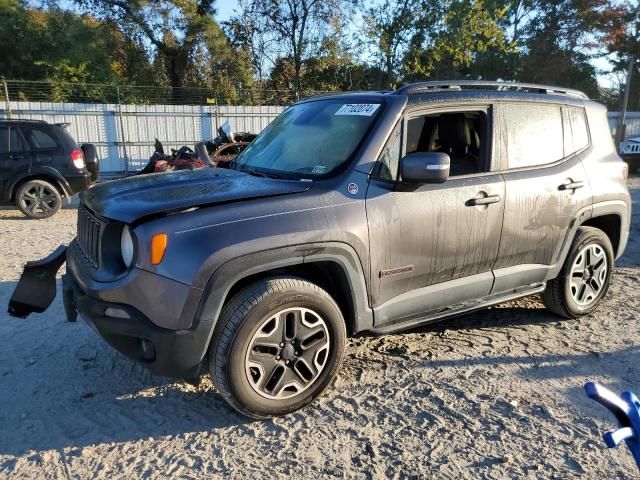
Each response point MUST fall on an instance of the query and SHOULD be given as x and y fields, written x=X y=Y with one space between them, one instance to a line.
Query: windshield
x=309 y=139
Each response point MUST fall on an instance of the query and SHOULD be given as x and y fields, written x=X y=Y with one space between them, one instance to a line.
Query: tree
x=557 y=45
x=465 y=43
x=620 y=26
x=248 y=33
x=388 y=28
x=66 y=48
x=292 y=29
x=174 y=28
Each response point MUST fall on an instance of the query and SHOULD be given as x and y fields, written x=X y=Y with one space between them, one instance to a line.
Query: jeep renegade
x=350 y=213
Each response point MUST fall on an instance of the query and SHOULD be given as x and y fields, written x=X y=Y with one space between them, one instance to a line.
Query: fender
x=224 y=277
x=609 y=207
x=45 y=171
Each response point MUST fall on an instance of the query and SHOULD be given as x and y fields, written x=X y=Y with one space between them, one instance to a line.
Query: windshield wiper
x=256 y=172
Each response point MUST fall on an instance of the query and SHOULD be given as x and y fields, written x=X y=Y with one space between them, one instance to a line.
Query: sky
x=225 y=9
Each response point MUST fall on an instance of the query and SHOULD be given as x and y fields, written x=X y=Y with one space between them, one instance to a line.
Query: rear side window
x=10 y=140
x=534 y=134
x=39 y=139
x=576 y=132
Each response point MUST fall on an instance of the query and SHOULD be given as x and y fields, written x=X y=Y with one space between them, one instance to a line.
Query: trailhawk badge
x=353 y=188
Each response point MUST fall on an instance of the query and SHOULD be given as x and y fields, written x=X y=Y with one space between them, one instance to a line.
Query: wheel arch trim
x=227 y=275
x=41 y=173
x=600 y=209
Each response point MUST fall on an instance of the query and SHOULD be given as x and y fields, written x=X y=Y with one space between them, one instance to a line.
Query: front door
x=434 y=245
x=15 y=160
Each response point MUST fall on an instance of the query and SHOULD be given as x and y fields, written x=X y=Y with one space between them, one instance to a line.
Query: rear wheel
x=38 y=199
x=278 y=345
x=585 y=275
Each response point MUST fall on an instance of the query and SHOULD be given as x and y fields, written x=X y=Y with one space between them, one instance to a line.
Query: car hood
x=133 y=198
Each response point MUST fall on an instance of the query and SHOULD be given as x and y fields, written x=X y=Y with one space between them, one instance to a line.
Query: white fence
x=632 y=119
x=124 y=134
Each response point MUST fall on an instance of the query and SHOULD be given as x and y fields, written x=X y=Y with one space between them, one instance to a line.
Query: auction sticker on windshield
x=364 y=109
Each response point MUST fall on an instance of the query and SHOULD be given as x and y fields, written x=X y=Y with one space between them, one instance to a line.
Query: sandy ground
x=496 y=394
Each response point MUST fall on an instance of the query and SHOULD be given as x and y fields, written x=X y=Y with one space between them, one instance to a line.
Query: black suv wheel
x=585 y=275
x=38 y=199
x=278 y=345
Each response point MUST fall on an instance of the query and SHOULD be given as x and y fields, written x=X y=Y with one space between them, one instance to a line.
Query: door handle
x=571 y=185
x=16 y=157
x=474 y=202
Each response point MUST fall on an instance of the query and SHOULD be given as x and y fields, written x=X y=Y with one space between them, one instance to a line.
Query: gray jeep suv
x=351 y=213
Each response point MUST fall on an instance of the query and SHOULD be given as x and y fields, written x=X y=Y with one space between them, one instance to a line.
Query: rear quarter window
x=39 y=139
x=576 y=131
x=534 y=134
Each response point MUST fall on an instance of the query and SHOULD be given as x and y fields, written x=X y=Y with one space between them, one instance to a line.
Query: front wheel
x=278 y=345
x=585 y=275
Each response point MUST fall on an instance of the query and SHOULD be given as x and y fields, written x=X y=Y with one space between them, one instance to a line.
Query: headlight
x=126 y=246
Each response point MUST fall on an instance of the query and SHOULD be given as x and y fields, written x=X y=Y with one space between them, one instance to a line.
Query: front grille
x=89 y=232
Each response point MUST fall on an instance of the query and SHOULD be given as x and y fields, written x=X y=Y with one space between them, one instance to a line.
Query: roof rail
x=423 y=87
x=21 y=120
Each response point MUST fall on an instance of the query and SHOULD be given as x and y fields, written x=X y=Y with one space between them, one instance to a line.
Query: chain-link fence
x=60 y=92
x=123 y=121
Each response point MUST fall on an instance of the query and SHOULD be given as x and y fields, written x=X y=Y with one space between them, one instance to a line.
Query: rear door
x=546 y=185
x=15 y=159
x=431 y=245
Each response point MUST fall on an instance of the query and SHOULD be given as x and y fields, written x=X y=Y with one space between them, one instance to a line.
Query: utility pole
x=620 y=129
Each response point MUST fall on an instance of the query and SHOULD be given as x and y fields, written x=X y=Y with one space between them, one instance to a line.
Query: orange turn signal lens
x=158 y=247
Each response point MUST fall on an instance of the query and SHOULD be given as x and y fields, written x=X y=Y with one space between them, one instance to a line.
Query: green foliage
x=466 y=43
x=66 y=48
x=177 y=47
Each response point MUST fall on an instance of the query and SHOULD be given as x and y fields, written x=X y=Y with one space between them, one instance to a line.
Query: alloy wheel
x=588 y=274
x=38 y=200
x=287 y=353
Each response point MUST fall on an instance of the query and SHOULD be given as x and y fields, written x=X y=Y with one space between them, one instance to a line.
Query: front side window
x=534 y=134
x=460 y=134
x=309 y=139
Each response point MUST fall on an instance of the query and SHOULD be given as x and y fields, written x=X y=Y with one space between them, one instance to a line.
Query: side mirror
x=425 y=167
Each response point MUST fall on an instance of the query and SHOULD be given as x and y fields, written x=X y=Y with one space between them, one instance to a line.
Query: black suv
x=350 y=213
x=40 y=163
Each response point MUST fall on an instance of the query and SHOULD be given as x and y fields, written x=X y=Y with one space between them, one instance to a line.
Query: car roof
x=22 y=121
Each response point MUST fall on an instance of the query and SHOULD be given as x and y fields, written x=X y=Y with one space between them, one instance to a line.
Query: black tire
x=558 y=296
x=38 y=199
x=244 y=317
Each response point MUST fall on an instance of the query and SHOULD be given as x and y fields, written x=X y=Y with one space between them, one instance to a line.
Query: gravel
x=494 y=394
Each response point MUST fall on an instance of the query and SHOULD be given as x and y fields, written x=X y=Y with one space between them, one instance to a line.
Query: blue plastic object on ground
x=626 y=409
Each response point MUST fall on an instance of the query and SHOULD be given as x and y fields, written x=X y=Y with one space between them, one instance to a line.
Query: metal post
x=623 y=111
x=216 y=110
x=6 y=98
x=122 y=136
